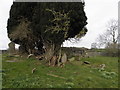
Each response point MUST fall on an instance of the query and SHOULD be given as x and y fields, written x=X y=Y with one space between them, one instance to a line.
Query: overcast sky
x=98 y=12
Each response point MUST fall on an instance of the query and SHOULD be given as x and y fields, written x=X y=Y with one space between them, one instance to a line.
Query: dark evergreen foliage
x=39 y=19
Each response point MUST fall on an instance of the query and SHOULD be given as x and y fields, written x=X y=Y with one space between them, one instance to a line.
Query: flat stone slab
x=2 y=71
x=86 y=62
x=10 y=61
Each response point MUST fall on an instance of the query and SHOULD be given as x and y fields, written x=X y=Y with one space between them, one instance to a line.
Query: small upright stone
x=64 y=58
x=11 y=47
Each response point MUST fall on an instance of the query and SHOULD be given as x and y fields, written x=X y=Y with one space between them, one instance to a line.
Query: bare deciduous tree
x=110 y=36
x=94 y=45
x=112 y=31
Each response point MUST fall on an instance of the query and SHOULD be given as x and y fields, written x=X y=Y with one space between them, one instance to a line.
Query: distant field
x=17 y=73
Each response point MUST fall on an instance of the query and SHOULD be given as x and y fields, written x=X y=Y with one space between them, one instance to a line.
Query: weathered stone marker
x=64 y=59
x=11 y=49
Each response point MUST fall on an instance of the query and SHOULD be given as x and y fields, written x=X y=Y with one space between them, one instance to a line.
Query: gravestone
x=11 y=47
x=64 y=58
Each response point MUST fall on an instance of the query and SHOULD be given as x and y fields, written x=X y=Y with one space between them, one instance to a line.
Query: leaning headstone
x=11 y=47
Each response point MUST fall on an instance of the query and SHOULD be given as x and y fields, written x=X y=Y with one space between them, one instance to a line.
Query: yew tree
x=46 y=24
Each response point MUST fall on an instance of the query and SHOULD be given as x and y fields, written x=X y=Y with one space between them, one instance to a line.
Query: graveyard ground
x=17 y=73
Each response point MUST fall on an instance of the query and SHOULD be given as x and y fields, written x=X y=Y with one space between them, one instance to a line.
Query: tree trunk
x=52 y=54
x=22 y=49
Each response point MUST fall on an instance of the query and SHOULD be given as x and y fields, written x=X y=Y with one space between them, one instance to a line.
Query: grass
x=18 y=74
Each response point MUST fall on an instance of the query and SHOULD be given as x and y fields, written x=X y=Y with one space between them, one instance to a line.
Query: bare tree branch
x=111 y=34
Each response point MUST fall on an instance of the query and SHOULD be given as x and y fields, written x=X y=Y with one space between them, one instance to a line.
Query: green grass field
x=18 y=74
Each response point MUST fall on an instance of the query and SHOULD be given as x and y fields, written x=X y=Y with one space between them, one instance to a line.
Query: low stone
x=72 y=59
x=86 y=62
x=30 y=55
x=10 y=61
x=102 y=66
x=17 y=55
x=10 y=56
x=41 y=58
x=33 y=70
x=1 y=71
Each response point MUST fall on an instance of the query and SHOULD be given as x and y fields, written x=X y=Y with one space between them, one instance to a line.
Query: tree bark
x=52 y=54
